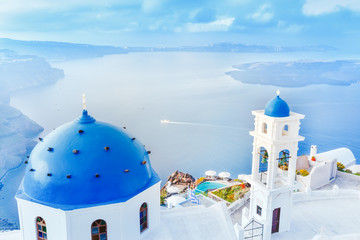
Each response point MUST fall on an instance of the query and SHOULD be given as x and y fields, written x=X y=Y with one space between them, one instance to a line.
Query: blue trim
x=98 y=174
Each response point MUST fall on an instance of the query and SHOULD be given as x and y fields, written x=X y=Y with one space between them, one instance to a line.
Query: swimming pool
x=205 y=186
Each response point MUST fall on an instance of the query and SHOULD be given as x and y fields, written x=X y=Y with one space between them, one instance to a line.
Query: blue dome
x=277 y=107
x=85 y=163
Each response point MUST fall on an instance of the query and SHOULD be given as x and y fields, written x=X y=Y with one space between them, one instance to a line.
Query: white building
x=275 y=147
x=88 y=180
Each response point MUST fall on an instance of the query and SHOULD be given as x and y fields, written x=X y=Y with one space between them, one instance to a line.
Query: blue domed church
x=88 y=180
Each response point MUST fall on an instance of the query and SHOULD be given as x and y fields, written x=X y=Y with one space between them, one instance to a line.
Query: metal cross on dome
x=84 y=101
x=278 y=92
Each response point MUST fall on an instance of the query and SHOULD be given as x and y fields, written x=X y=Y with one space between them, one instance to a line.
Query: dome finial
x=84 y=101
x=278 y=92
x=85 y=117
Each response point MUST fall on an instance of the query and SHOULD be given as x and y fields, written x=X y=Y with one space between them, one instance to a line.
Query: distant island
x=298 y=73
x=233 y=48
x=62 y=51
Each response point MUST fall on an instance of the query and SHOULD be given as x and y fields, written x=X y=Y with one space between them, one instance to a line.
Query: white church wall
x=122 y=219
x=130 y=214
x=259 y=200
x=54 y=218
x=79 y=221
x=284 y=202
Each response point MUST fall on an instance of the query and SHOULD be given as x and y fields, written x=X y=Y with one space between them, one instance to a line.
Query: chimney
x=313 y=150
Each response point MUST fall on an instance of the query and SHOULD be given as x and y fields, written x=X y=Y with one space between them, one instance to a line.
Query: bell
x=265 y=157
x=282 y=159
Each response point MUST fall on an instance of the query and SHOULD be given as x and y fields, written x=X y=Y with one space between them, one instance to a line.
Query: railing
x=253 y=230
x=216 y=198
x=232 y=207
x=239 y=203
x=336 y=193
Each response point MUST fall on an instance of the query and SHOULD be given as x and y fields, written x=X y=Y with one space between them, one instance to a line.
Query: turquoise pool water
x=204 y=187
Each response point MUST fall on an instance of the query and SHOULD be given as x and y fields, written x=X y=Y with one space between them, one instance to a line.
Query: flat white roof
x=12 y=235
x=212 y=223
x=333 y=218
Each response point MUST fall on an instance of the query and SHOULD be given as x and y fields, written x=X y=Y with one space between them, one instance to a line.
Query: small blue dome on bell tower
x=277 y=107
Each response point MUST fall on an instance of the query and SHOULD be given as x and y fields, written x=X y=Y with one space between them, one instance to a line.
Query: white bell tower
x=275 y=147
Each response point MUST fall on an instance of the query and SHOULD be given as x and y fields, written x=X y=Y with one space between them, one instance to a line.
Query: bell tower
x=274 y=155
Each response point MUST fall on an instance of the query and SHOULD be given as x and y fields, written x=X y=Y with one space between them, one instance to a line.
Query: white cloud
x=221 y=24
x=317 y=7
x=263 y=14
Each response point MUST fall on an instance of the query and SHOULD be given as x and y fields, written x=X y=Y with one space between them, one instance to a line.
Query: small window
x=98 y=230
x=285 y=130
x=264 y=128
x=41 y=228
x=258 y=210
x=143 y=217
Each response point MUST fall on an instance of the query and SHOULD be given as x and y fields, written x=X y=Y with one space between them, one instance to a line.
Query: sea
x=208 y=113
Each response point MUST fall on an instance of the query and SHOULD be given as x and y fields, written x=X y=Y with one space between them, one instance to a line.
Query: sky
x=183 y=22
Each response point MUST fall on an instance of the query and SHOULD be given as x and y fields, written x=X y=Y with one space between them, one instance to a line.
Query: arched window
x=41 y=228
x=143 y=217
x=98 y=230
x=285 y=130
x=264 y=128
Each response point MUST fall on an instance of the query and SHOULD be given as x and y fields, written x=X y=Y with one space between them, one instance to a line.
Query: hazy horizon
x=173 y=23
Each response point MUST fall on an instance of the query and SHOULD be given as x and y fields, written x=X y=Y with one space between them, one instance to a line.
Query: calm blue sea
x=139 y=90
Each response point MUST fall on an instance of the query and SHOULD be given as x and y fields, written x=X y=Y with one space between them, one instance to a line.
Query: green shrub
x=304 y=172
x=163 y=194
x=232 y=193
x=340 y=166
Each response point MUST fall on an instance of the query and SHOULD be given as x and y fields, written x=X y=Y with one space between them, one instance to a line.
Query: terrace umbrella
x=224 y=174
x=210 y=173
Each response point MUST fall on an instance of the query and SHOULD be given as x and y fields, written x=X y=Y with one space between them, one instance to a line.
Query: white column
x=256 y=159
x=270 y=172
x=292 y=165
x=268 y=219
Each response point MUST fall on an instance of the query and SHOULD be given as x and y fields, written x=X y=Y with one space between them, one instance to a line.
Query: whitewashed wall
x=55 y=220
x=122 y=219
